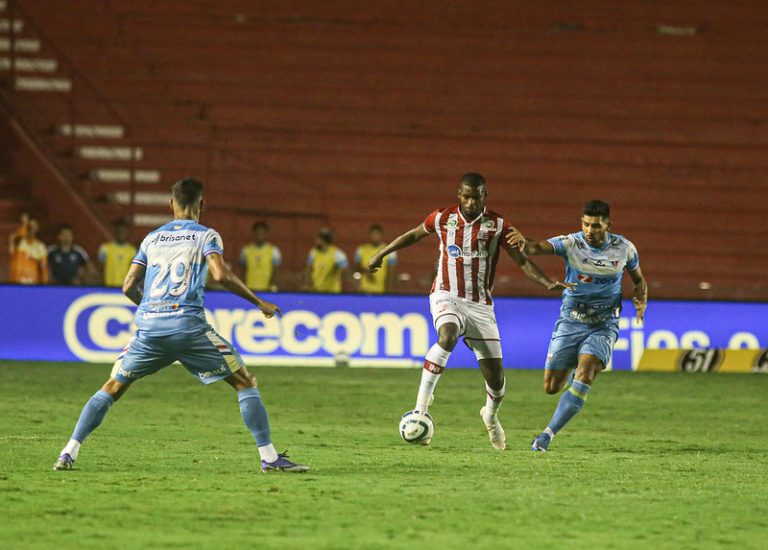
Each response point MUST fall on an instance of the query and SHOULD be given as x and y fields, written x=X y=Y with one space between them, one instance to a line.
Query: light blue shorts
x=206 y=355
x=573 y=338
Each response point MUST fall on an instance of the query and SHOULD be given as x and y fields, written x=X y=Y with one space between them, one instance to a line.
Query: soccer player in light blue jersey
x=167 y=280
x=584 y=335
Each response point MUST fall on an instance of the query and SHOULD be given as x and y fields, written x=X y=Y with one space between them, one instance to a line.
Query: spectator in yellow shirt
x=381 y=281
x=116 y=256
x=326 y=264
x=29 y=256
x=260 y=260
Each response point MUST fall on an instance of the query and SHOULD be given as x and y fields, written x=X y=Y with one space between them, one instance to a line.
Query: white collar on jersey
x=473 y=221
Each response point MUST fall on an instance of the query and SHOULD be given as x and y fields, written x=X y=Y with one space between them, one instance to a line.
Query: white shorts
x=477 y=322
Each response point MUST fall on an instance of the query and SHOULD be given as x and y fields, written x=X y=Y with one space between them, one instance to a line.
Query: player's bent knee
x=115 y=388
x=241 y=379
x=447 y=342
x=552 y=388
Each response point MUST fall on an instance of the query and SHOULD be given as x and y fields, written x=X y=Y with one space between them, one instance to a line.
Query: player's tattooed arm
x=530 y=248
x=406 y=239
x=534 y=272
x=639 y=293
x=134 y=283
x=223 y=275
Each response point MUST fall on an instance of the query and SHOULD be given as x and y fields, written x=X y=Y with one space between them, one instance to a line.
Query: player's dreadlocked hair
x=473 y=179
x=187 y=192
x=597 y=208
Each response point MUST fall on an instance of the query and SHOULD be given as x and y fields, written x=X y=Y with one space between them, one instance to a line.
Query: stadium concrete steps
x=96 y=142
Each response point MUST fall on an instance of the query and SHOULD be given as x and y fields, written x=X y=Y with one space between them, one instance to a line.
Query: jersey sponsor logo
x=452 y=222
x=489 y=224
x=164 y=238
x=587 y=279
x=161 y=314
x=455 y=251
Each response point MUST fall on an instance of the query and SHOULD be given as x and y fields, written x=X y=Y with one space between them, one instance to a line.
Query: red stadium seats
x=310 y=113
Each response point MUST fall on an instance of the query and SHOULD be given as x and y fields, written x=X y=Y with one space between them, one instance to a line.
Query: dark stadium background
x=341 y=113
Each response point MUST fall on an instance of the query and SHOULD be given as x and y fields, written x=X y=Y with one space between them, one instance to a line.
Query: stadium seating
x=307 y=113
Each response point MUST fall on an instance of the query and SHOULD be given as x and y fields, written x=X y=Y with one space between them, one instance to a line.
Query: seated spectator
x=260 y=260
x=28 y=255
x=381 y=281
x=326 y=264
x=116 y=256
x=67 y=261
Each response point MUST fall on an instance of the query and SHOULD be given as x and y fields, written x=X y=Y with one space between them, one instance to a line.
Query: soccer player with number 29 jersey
x=470 y=238
x=588 y=326
x=167 y=280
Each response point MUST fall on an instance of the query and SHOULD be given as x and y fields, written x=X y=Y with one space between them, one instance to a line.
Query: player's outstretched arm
x=403 y=241
x=534 y=272
x=639 y=293
x=223 y=274
x=134 y=283
x=530 y=248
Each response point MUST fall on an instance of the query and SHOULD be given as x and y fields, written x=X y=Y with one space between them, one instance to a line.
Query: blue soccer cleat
x=64 y=462
x=283 y=464
x=541 y=442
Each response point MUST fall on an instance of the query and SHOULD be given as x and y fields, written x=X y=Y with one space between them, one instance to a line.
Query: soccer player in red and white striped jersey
x=470 y=239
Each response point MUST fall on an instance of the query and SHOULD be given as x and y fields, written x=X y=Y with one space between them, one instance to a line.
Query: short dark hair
x=326 y=235
x=473 y=179
x=64 y=227
x=120 y=222
x=375 y=227
x=187 y=192
x=597 y=208
x=260 y=225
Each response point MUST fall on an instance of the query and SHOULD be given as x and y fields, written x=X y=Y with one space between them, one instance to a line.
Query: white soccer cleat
x=495 y=432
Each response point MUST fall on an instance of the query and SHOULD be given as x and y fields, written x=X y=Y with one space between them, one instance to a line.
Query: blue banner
x=94 y=324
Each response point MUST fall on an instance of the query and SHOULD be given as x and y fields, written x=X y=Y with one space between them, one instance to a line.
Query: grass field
x=667 y=461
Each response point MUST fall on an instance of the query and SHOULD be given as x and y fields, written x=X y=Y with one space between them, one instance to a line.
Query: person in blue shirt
x=167 y=282
x=69 y=263
x=584 y=335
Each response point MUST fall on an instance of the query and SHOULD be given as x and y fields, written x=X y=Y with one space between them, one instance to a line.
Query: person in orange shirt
x=29 y=257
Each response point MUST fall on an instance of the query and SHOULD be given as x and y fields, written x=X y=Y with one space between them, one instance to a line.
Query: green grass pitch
x=664 y=461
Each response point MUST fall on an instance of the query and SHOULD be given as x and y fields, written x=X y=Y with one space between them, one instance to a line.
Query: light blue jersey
x=597 y=272
x=174 y=284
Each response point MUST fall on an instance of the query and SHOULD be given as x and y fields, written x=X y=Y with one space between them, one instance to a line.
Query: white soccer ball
x=417 y=427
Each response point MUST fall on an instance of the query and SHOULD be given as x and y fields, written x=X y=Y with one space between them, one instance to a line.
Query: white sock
x=268 y=452
x=493 y=400
x=72 y=448
x=549 y=432
x=434 y=365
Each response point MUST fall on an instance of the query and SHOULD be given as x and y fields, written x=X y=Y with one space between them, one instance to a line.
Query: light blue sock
x=571 y=402
x=92 y=415
x=254 y=415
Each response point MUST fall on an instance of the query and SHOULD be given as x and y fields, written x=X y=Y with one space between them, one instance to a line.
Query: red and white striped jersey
x=469 y=252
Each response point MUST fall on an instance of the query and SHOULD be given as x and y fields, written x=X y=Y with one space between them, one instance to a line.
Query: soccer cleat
x=495 y=432
x=541 y=442
x=64 y=462
x=283 y=464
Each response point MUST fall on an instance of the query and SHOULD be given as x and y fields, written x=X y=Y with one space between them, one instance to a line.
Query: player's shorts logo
x=207 y=374
x=585 y=278
x=454 y=251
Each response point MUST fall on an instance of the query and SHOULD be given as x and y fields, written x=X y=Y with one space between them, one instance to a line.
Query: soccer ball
x=417 y=427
